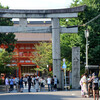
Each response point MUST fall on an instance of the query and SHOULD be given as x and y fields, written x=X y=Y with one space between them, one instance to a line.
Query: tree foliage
x=91 y=11
x=67 y=42
x=43 y=56
x=7 y=39
x=5 y=58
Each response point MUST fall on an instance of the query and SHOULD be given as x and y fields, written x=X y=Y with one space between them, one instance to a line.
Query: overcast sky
x=36 y=4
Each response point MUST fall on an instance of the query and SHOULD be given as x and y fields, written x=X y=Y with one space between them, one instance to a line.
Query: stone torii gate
x=55 y=29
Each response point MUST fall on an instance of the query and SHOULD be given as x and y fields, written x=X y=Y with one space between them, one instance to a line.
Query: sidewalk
x=25 y=90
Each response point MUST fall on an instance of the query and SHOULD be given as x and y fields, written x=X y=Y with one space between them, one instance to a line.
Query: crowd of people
x=38 y=83
x=90 y=86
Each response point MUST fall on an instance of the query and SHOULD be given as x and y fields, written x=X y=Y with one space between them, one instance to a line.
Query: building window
x=28 y=48
x=13 y=61
x=33 y=48
x=21 y=61
x=21 y=48
x=27 y=61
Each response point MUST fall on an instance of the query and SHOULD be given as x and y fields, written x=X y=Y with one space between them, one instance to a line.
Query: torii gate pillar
x=56 y=49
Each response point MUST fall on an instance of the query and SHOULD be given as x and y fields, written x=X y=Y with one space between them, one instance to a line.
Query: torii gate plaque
x=54 y=14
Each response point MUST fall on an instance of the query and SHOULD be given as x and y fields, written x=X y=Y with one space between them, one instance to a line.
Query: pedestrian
x=37 y=84
x=49 y=83
x=95 y=87
x=52 y=84
x=81 y=84
x=84 y=86
x=11 y=83
x=29 y=83
x=42 y=84
x=90 y=91
x=21 y=84
x=25 y=80
x=33 y=81
x=16 y=80
x=7 y=84
x=55 y=83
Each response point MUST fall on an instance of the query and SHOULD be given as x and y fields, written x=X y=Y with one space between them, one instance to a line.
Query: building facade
x=25 y=49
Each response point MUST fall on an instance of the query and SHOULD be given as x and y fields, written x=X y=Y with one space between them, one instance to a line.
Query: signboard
x=93 y=66
x=64 y=65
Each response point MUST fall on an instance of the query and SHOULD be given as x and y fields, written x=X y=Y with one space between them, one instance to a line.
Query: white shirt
x=49 y=80
x=6 y=81
x=55 y=80
x=33 y=79
x=95 y=80
x=16 y=80
x=84 y=79
x=25 y=79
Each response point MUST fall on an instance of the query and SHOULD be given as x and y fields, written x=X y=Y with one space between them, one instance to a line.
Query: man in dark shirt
x=29 y=83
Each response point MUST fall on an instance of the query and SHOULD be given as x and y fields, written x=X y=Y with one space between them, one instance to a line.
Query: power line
x=91 y=20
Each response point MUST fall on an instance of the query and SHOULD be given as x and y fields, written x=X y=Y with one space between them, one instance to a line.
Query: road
x=57 y=95
x=45 y=95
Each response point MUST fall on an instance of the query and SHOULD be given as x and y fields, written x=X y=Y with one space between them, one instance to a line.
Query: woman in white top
x=49 y=83
x=7 y=84
x=84 y=85
x=81 y=84
x=42 y=84
x=37 y=84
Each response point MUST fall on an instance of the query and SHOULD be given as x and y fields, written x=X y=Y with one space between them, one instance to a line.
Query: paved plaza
x=44 y=95
x=58 y=95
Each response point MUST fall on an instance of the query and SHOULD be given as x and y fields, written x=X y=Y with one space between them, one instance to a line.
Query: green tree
x=91 y=11
x=7 y=39
x=5 y=58
x=67 y=42
x=42 y=56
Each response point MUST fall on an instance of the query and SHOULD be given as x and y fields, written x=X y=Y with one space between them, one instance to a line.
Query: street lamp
x=86 y=36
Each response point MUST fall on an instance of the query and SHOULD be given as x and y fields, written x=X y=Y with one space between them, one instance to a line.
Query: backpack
x=42 y=84
x=52 y=81
x=57 y=81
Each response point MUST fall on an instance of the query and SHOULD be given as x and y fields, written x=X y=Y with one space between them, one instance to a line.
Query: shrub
x=1 y=82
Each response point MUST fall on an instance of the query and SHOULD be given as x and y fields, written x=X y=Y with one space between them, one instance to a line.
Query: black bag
x=42 y=85
x=57 y=81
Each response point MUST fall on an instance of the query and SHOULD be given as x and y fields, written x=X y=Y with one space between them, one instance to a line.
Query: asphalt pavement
x=44 y=95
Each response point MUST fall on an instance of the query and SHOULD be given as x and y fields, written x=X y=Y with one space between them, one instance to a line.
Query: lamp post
x=86 y=36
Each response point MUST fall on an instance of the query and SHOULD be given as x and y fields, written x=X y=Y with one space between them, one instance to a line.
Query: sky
x=36 y=4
